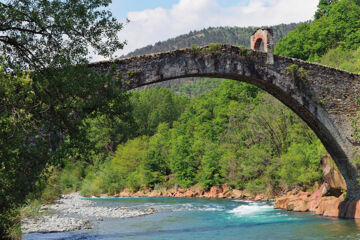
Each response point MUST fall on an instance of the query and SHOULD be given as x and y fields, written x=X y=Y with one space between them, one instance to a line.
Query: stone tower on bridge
x=264 y=35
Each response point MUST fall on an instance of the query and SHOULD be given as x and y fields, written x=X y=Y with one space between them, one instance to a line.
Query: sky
x=152 y=21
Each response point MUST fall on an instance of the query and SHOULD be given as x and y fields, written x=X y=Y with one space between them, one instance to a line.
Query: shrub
x=91 y=185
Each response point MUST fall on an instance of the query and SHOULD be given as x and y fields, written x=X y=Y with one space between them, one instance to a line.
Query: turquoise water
x=180 y=218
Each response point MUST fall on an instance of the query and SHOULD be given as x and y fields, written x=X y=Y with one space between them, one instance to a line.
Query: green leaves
x=155 y=106
x=36 y=34
x=337 y=24
x=236 y=135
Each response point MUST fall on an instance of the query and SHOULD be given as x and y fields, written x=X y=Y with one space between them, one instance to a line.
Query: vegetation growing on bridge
x=298 y=74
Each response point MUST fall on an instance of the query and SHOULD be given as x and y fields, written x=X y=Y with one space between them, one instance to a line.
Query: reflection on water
x=210 y=219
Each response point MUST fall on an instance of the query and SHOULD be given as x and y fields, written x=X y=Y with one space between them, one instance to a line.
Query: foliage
x=31 y=209
x=182 y=162
x=36 y=34
x=41 y=113
x=123 y=170
x=210 y=167
x=298 y=165
x=235 y=134
x=323 y=8
x=341 y=58
x=195 y=50
x=298 y=74
x=214 y=48
x=337 y=24
x=52 y=189
x=38 y=113
x=91 y=185
x=155 y=106
x=156 y=165
x=190 y=87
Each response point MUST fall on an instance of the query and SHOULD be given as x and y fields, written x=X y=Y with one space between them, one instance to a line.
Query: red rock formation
x=328 y=200
x=197 y=191
x=335 y=182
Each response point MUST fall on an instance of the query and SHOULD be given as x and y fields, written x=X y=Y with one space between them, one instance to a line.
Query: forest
x=60 y=133
x=212 y=131
x=238 y=36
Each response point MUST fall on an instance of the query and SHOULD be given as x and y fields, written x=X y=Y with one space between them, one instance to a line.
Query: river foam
x=248 y=208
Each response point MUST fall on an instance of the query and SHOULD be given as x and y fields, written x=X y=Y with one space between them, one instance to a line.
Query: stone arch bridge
x=325 y=98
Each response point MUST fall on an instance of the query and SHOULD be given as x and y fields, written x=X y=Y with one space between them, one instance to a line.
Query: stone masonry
x=325 y=98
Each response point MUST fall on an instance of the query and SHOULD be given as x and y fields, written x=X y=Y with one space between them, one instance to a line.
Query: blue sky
x=152 y=21
x=120 y=8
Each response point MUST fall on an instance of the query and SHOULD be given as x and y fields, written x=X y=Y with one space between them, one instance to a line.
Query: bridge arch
x=325 y=98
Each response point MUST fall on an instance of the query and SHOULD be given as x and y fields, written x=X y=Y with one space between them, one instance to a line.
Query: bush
x=300 y=165
x=256 y=186
x=91 y=185
x=71 y=177
x=53 y=188
x=135 y=180
x=348 y=60
x=112 y=182
x=31 y=208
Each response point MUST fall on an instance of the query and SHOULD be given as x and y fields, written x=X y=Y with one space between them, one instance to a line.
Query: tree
x=157 y=164
x=41 y=33
x=36 y=116
x=323 y=8
x=211 y=170
x=154 y=106
x=128 y=162
x=338 y=27
x=41 y=109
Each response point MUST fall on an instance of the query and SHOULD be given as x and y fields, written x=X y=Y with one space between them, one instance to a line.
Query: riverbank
x=203 y=219
x=329 y=200
x=71 y=213
x=215 y=192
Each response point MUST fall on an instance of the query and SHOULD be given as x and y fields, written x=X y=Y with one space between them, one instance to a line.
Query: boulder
x=214 y=192
x=190 y=193
x=237 y=194
x=315 y=198
x=328 y=200
x=332 y=177
x=125 y=193
x=260 y=197
x=329 y=206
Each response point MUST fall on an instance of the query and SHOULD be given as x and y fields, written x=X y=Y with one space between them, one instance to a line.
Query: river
x=180 y=218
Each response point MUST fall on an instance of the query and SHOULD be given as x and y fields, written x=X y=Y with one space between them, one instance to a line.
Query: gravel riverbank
x=73 y=213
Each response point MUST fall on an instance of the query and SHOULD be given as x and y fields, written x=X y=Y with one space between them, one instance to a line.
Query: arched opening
x=237 y=128
x=259 y=44
x=277 y=79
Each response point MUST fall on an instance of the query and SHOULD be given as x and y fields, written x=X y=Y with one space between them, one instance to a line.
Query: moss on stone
x=298 y=74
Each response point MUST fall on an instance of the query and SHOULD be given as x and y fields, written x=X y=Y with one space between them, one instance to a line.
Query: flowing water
x=180 y=218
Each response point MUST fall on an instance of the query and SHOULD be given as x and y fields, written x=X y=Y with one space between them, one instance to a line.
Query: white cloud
x=153 y=25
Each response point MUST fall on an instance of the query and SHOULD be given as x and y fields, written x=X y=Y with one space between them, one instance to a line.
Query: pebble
x=72 y=213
